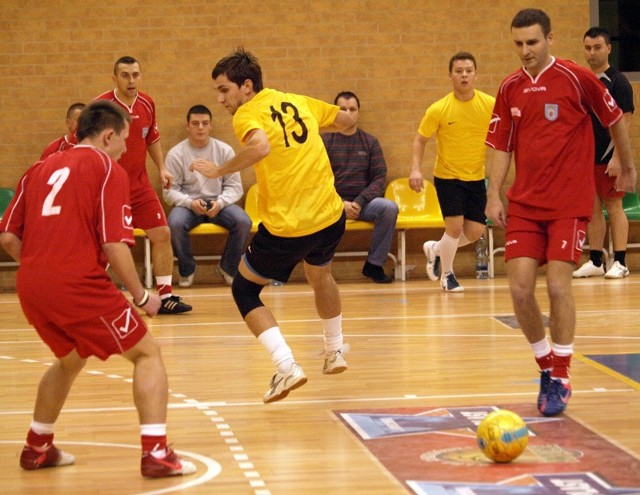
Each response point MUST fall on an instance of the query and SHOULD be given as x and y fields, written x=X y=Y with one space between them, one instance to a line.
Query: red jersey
x=60 y=144
x=143 y=131
x=545 y=121
x=64 y=209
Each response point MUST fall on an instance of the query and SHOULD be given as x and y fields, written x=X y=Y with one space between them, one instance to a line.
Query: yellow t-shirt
x=296 y=193
x=461 y=129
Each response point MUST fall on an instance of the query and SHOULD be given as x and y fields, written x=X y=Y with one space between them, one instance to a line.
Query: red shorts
x=605 y=184
x=146 y=209
x=556 y=240
x=113 y=332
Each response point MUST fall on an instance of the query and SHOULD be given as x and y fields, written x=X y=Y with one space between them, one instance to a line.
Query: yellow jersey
x=461 y=129
x=296 y=193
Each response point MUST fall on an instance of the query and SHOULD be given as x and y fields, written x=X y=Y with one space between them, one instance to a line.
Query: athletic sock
x=596 y=257
x=332 y=331
x=281 y=355
x=561 y=361
x=153 y=438
x=163 y=285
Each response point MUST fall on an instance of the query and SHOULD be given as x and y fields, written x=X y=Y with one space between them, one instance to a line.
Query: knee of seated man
x=246 y=294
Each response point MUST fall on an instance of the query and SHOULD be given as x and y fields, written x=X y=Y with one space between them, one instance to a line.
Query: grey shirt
x=188 y=186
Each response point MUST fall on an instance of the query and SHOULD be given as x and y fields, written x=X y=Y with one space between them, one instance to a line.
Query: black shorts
x=460 y=197
x=273 y=257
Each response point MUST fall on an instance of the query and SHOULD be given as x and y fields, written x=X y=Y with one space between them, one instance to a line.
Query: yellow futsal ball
x=502 y=435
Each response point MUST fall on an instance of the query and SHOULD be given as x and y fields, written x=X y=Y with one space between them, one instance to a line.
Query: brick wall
x=392 y=53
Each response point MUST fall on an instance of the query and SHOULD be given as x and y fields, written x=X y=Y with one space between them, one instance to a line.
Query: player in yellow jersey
x=460 y=122
x=302 y=216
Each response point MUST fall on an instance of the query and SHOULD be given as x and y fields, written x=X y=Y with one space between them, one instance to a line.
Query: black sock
x=619 y=257
x=596 y=257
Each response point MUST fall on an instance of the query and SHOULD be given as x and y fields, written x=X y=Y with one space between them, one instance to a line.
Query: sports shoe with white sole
x=228 y=279
x=186 y=281
x=334 y=363
x=617 y=270
x=450 y=284
x=172 y=305
x=589 y=270
x=283 y=383
x=162 y=467
x=433 y=261
x=44 y=457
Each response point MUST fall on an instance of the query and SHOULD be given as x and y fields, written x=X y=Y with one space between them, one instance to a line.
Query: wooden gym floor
x=416 y=353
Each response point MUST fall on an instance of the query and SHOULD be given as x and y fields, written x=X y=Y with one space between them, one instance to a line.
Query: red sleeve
x=500 y=134
x=115 y=221
x=602 y=104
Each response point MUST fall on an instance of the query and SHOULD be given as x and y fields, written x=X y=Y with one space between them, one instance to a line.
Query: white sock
x=332 y=330
x=42 y=428
x=154 y=430
x=281 y=355
x=448 y=247
x=563 y=350
x=541 y=348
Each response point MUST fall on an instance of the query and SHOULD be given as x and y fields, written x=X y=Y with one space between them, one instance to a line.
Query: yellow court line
x=605 y=369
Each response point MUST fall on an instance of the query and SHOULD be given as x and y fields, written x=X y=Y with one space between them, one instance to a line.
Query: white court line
x=213 y=468
x=410 y=397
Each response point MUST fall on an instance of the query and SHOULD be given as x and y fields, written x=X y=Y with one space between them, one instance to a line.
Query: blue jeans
x=233 y=218
x=383 y=213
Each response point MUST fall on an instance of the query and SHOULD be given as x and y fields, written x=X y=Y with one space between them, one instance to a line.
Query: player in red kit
x=542 y=117
x=67 y=295
x=146 y=208
x=68 y=140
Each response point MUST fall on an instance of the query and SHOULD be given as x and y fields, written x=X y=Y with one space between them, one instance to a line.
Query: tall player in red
x=84 y=192
x=542 y=116
x=146 y=208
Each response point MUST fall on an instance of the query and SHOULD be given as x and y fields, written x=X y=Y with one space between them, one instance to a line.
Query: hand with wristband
x=150 y=303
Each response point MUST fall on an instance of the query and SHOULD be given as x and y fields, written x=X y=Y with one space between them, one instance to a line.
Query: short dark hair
x=595 y=31
x=127 y=60
x=530 y=17
x=462 y=56
x=346 y=95
x=98 y=116
x=238 y=67
x=73 y=107
x=198 y=109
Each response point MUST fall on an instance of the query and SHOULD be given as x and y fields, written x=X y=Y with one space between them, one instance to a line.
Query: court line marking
x=224 y=430
x=213 y=468
x=407 y=397
x=609 y=371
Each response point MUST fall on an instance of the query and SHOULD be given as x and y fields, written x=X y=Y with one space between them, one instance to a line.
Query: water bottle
x=482 y=258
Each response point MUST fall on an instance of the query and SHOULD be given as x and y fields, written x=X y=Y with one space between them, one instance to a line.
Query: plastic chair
x=416 y=211
x=5 y=198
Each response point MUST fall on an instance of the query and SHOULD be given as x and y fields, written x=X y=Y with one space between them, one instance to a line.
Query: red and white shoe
x=44 y=457
x=169 y=465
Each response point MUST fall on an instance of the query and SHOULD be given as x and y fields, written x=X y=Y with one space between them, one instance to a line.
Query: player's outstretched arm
x=11 y=244
x=495 y=209
x=119 y=257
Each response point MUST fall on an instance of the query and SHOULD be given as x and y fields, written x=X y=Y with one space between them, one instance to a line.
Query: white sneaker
x=334 y=363
x=589 y=270
x=186 y=281
x=283 y=383
x=433 y=261
x=617 y=270
x=450 y=284
x=228 y=279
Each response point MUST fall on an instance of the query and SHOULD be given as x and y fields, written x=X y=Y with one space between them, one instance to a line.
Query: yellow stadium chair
x=416 y=211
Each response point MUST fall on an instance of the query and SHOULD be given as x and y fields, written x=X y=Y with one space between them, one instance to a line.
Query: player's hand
x=205 y=167
x=416 y=180
x=613 y=167
x=626 y=181
x=214 y=210
x=496 y=212
x=153 y=305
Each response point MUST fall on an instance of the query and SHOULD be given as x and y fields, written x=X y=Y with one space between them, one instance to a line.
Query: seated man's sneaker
x=433 y=261
x=376 y=273
x=617 y=270
x=589 y=270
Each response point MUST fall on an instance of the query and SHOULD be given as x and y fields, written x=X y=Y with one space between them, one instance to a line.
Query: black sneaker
x=172 y=305
x=376 y=273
